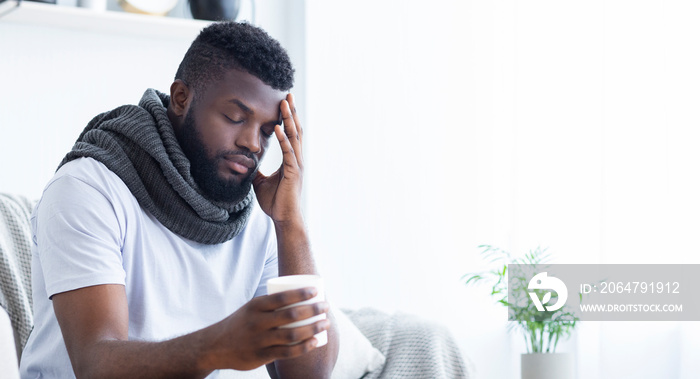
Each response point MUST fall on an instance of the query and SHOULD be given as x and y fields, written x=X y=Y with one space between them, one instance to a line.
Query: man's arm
x=279 y=196
x=295 y=258
x=94 y=322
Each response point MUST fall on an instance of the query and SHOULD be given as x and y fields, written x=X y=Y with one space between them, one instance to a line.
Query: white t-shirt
x=88 y=229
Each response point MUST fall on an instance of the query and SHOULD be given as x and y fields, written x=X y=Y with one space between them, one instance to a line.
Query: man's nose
x=249 y=138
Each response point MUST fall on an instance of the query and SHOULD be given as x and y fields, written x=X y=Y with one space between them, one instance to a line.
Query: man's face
x=226 y=131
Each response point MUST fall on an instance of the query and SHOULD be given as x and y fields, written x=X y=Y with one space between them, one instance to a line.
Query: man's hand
x=94 y=322
x=279 y=194
x=252 y=336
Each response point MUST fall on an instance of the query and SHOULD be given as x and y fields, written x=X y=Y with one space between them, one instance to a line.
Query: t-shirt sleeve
x=270 y=270
x=78 y=236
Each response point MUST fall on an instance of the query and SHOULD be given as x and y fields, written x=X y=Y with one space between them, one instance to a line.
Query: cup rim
x=293 y=279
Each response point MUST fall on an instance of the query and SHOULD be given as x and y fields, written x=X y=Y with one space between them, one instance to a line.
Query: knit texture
x=413 y=347
x=138 y=144
x=15 y=265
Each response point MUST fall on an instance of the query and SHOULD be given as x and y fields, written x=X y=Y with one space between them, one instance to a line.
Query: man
x=154 y=240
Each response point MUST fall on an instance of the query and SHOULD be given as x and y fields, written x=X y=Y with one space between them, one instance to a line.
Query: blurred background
x=432 y=128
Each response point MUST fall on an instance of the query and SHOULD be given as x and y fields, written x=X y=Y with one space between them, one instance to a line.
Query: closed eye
x=233 y=121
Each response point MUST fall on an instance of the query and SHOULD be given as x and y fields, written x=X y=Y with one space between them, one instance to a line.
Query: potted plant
x=542 y=330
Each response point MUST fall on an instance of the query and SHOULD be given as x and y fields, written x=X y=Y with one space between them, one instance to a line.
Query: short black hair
x=230 y=45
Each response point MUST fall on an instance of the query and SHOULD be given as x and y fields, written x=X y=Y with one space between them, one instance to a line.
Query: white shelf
x=49 y=15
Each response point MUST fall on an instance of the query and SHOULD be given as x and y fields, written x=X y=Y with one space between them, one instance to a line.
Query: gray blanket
x=413 y=348
x=15 y=265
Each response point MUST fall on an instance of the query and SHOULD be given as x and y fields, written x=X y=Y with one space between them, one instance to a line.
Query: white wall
x=54 y=80
x=438 y=126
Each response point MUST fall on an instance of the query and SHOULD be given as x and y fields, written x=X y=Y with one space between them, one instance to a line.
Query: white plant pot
x=547 y=366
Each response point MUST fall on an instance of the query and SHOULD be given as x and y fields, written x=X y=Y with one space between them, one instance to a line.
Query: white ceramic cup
x=292 y=282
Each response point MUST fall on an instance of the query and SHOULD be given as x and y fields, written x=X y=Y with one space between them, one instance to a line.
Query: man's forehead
x=247 y=91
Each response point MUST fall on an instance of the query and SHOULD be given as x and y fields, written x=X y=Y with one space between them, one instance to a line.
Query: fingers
x=290 y=159
x=285 y=352
x=288 y=336
x=297 y=313
x=295 y=116
x=282 y=299
x=255 y=335
x=292 y=128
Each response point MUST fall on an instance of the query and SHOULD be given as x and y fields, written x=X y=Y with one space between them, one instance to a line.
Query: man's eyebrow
x=240 y=104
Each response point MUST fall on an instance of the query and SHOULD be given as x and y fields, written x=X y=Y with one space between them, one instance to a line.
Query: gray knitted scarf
x=138 y=144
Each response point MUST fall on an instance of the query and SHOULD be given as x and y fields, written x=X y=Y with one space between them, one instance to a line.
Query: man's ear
x=179 y=98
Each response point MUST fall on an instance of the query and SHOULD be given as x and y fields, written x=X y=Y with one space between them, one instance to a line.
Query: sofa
x=373 y=344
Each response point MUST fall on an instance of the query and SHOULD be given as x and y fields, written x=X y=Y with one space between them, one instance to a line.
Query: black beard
x=204 y=170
